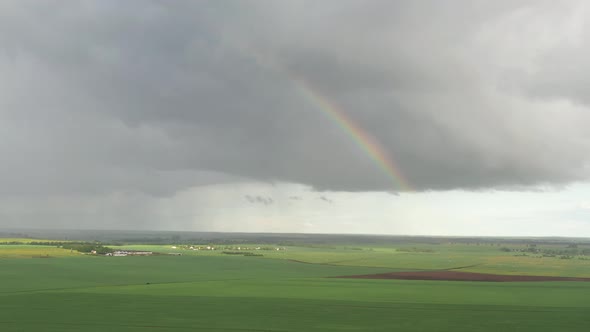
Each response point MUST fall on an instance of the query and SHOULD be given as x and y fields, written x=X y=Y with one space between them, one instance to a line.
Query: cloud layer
x=99 y=97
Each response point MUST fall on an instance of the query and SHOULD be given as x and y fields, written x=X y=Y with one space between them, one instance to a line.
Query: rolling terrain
x=291 y=289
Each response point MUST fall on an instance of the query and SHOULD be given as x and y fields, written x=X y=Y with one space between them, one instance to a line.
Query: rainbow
x=360 y=137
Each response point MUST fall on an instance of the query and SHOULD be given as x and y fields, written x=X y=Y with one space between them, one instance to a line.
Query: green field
x=466 y=257
x=212 y=291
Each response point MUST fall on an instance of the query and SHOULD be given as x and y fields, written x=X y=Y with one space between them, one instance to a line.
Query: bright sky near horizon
x=342 y=116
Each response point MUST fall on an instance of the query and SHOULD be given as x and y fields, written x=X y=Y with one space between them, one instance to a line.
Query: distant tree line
x=569 y=252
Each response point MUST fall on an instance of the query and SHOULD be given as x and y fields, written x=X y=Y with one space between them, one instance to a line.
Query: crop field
x=292 y=289
x=466 y=257
x=29 y=251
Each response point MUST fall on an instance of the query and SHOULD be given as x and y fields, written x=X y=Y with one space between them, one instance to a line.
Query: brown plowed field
x=460 y=276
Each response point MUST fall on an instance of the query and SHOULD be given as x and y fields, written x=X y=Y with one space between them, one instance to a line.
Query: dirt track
x=460 y=276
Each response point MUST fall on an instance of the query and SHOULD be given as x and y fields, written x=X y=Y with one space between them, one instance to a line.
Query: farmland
x=292 y=289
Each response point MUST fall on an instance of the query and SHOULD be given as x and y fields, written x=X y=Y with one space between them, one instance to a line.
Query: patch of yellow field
x=28 y=251
x=534 y=265
x=25 y=240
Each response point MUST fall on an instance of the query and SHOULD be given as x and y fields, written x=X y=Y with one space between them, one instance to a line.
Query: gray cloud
x=154 y=97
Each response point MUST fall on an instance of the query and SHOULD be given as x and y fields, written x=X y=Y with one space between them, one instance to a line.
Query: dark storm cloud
x=155 y=97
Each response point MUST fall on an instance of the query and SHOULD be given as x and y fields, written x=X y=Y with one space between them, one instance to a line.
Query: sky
x=336 y=116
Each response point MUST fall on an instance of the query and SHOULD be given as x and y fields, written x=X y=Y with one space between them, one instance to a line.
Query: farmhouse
x=123 y=253
x=140 y=253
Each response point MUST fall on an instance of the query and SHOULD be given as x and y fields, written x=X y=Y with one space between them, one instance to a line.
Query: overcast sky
x=189 y=115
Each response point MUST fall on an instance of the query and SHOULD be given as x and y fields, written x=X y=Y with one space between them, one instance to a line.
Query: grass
x=471 y=258
x=209 y=291
x=173 y=313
